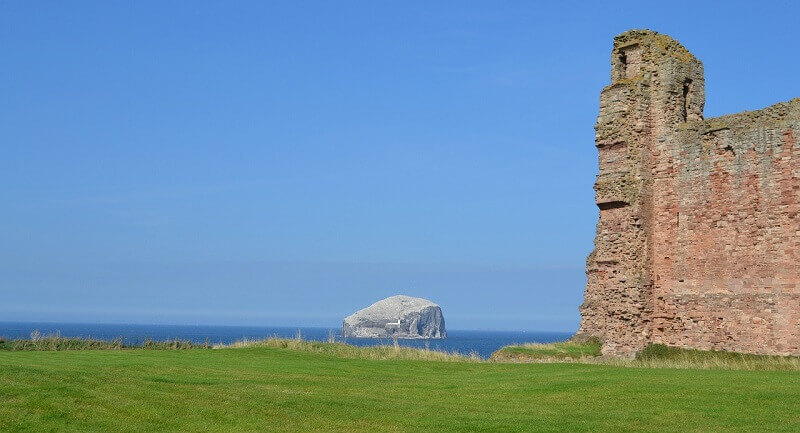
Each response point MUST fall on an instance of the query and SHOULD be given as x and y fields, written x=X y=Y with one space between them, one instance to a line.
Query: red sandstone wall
x=656 y=84
x=726 y=234
x=698 y=234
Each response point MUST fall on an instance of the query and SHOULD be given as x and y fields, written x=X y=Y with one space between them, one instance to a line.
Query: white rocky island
x=398 y=316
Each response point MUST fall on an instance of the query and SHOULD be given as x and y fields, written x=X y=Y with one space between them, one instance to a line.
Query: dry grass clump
x=574 y=351
x=49 y=343
x=653 y=356
x=55 y=342
x=384 y=352
x=662 y=356
x=562 y=351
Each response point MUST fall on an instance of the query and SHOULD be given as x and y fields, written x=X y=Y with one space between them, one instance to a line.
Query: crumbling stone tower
x=699 y=234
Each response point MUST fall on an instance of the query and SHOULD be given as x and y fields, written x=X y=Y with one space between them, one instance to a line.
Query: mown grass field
x=266 y=389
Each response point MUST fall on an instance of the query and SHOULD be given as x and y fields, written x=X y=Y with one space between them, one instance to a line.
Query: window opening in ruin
x=687 y=90
x=623 y=64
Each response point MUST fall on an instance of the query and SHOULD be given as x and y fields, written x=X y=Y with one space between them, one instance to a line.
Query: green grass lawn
x=264 y=389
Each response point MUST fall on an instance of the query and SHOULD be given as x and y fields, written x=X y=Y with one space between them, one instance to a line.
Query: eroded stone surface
x=698 y=237
x=398 y=316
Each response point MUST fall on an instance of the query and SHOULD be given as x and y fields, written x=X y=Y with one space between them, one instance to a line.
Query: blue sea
x=465 y=342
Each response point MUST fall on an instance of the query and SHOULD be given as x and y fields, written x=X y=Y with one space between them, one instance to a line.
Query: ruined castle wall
x=647 y=98
x=726 y=234
x=698 y=231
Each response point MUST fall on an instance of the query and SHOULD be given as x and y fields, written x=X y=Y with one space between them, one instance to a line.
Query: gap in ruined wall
x=687 y=94
x=628 y=62
x=609 y=144
x=715 y=130
x=729 y=148
x=612 y=205
x=715 y=142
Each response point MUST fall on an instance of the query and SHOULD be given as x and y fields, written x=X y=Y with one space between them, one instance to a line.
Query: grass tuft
x=570 y=350
x=59 y=343
x=653 y=356
x=662 y=356
x=584 y=351
x=56 y=342
x=342 y=350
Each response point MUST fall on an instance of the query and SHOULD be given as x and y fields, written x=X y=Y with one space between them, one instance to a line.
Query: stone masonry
x=698 y=238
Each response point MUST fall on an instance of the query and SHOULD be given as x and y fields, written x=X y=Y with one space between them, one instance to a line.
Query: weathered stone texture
x=397 y=316
x=698 y=236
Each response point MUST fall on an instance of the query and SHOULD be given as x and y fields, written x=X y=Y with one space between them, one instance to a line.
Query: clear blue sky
x=286 y=163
